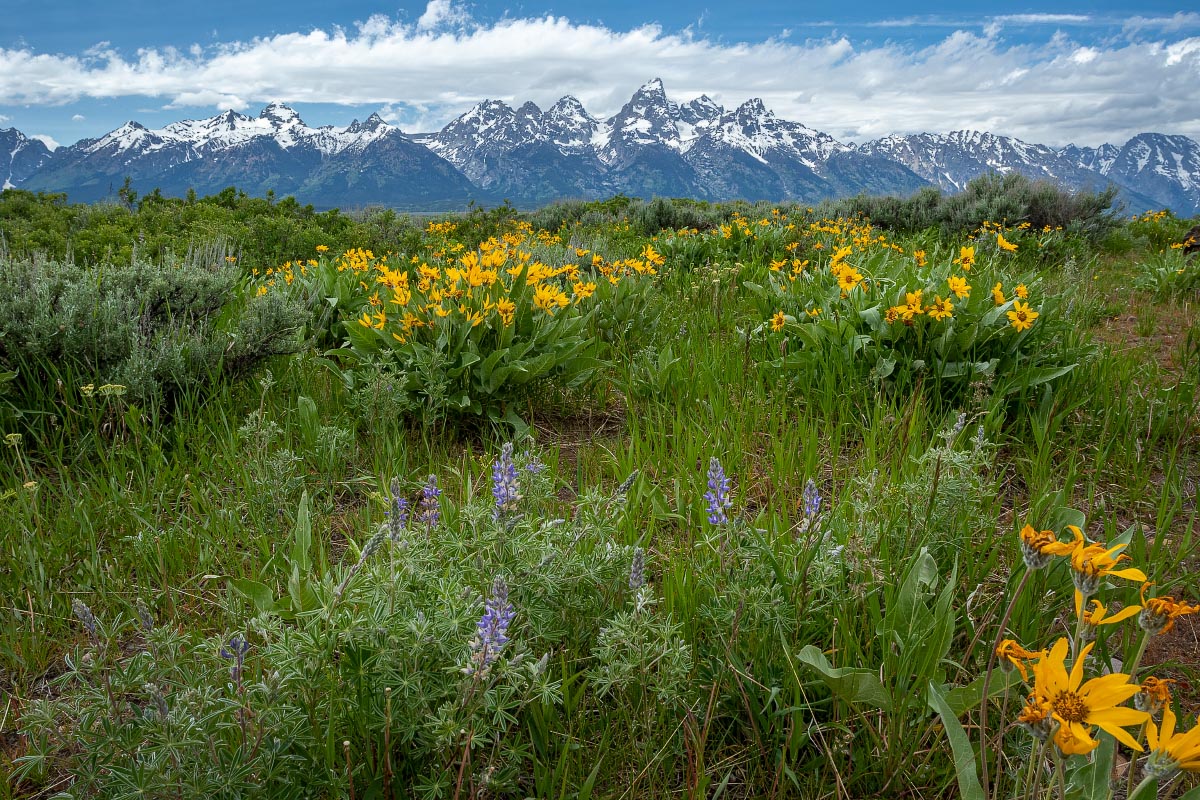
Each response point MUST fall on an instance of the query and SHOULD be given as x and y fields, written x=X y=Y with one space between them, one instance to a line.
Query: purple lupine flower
x=812 y=500
x=236 y=651
x=637 y=570
x=506 y=487
x=85 y=616
x=491 y=632
x=717 y=495
x=431 y=505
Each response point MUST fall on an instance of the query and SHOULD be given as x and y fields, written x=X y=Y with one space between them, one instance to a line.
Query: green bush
x=156 y=330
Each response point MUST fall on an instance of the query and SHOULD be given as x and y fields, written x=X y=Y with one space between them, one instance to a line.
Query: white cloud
x=1043 y=19
x=424 y=73
x=78 y=118
x=441 y=13
x=1181 y=20
x=4 y=119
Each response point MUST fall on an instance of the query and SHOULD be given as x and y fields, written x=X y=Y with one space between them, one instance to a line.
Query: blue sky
x=1068 y=72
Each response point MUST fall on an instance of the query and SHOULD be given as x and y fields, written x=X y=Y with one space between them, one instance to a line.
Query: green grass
x=715 y=683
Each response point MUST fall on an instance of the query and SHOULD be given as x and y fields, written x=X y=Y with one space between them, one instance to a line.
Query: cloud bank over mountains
x=987 y=74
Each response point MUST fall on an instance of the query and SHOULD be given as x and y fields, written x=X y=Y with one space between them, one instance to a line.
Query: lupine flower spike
x=431 y=507
x=717 y=495
x=506 y=487
x=491 y=632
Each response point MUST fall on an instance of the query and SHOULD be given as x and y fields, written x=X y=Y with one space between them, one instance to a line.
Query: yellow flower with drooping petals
x=959 y=287
x=1013 y=655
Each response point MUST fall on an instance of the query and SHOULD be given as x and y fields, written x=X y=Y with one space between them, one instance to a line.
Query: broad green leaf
x=257 y=593
x=302 y=535
x=965 y=767
x=852 y=684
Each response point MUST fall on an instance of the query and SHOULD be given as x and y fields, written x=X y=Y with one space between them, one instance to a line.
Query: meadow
x=880 y=498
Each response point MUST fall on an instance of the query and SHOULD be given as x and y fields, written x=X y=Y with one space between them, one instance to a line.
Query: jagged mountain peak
x=654 y=86
x=280 y=114
x=529 y=109
x=753 y=110
x=372 y=124
x=702 y=108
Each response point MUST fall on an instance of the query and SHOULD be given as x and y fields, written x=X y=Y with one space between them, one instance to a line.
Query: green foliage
x=156 y=331
x=781 y=654
x=1010 y=198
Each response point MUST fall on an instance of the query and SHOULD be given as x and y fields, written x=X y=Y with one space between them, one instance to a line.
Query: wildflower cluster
x=1061 y=706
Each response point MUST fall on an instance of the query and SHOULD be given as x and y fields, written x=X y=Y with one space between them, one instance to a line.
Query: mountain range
x=653 y=146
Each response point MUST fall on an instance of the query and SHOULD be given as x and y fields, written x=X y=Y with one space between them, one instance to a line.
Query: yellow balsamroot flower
x=919 y=257
x=1161 y=612
x=848 y=278
x=549 y=298
x=1090 y=562
x=941 y=309
x=966 y=258
x=1098 y=614
x=838 y=257
x=653 y=256
x=1012 y=655
x=959 y=286
x=1022 y=316
x=1171 y=752
x=1004 y=244
x=1021 y=291
x=778 y=321
x=893 y=314
x=582 y=291
x=814 y=312
x=1078 y=706
x=505 y=308
x=1154 y=696
x=998 y=294
x=778 y=265
x=912 y=305
x=322 y=248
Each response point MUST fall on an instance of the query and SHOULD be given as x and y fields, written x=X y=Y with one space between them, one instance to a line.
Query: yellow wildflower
x=1022 y=316
x=1078 y=706
x=966 y=258
x=941 y=309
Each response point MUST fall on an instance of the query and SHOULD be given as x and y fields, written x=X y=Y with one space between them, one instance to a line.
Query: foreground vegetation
x=621 y=499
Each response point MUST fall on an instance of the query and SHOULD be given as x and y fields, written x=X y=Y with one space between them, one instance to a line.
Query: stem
x=1145 y=781
x=1058 y=773
x=1133 y=757
x=1033 y=776
x=1137 y=657
x=987 y=679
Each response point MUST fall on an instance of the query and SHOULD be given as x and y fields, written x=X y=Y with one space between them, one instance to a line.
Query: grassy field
x=608 y=500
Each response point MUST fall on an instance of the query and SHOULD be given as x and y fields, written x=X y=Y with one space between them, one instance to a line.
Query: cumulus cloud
x=78 y=118
x=423 y=73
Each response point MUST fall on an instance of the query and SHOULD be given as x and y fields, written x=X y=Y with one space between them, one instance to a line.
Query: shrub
x=158 y=331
